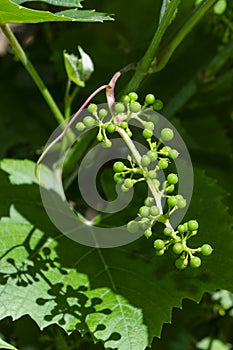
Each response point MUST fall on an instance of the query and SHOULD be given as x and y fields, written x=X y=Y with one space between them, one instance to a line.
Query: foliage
x=118 y=298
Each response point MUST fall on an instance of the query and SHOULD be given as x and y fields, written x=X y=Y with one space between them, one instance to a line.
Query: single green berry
x=167 y=134
x=149 y=125
x=103 y=113
x=124 y=125
x=119 y=167
x=147 y=133
x=172 y=179
x=172 y=201
x=166 y=150
x=163 y=163
x=107 y=143
x=150 y=99
x=160 y=252
x=159 y=244
x=133 y=96
x=195 y=262
x=173 y=154
x=158 y=105
x=153 y=155
x=117 y=178
x=119 y=107
x=149 y=201
x=128 y=183
x=154 y=210
x=135 y=107
x=152 y=174
x=181 y=203
x=181 y=228
x=92 y=108
x=111 y=128
x=181 y=264
x=145 y=160
x=89 y=121
x=124 y=188
x=193 y=225
x=170 y=189
x=148 y=233
x=99 y=137
x=167 y=231
x=132 y=226
x=206 y=249
x=129 y=133
x=80 y=126
x=156 y=183
x=144 y=211
x=125 y=99
x=178 y=248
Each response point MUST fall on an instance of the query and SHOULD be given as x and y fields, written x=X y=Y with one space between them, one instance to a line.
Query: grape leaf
x=14 y=13
x=5 y=345
x=65 y=3
x=122 y=295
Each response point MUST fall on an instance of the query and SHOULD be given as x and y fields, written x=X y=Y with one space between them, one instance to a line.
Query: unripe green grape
x=154 y=210
x=181 y=228
x=167 y=134
x=160 y=252
x=166 y=150
x=99 y=137
x=181 y=264
x=167 y=231
x=206 y=249
x=158 y=105
x=181 y=203
x=149 y=201
x=195 y=262
x=153 y=155
x=107 y=143
x=193 y=225
x=178 y=248
x=133 y=96
x=117 y=178
x=170 y=189
x=149 y=99
x=124 y=188
x=135 y=107
x=144 y=211
x=111 y=128
x=173 y=153
x=147 y=133
x=129 y=133
x=89 y=121
x=148 y=233
x=149 y=125
x=103 y=113
x=152 y=174
x=125 y=99
x=80 y=126
x=172 y=201
x=92 y=108
x=156 y=183
x=145 y=160
x=172 y=179
x=128 y=183
x=132 y=226
x=159 y=244
x=124 y=125
x=163 y=163
x=118 y=167
x=119 y=107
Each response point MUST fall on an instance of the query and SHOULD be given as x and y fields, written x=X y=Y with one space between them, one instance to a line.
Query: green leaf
x=4 y=345
x=65 y=3
x=14 y=13
x=78 y=70
x=123 y=296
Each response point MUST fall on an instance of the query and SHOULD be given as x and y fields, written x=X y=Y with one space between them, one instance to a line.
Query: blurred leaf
x=4 y=345
x=65 y=3
x=78 y=70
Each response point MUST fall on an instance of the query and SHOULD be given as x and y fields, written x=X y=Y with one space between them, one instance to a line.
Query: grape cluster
x=146 y=168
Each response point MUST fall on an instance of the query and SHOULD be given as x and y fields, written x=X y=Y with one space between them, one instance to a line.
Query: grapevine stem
x=20 y=53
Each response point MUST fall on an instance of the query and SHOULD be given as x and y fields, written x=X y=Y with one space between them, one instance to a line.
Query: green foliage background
x=127 y=291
